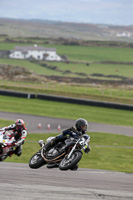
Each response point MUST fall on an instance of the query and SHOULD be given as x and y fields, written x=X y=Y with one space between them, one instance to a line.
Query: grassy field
x=96 y=53
x=108 y=152
x=66 y=110
x=75 y=68
x=105 y=92
x=95 y=68
x=93 y=55
x=84 y=53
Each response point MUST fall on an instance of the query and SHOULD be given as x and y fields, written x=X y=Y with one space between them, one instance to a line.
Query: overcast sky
x=117 y=12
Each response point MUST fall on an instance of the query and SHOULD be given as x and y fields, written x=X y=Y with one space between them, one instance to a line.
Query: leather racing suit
x=19 y=135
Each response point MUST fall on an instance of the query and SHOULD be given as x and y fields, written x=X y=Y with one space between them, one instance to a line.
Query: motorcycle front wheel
x=2 y=158
x=66 y=163
x=36 y=161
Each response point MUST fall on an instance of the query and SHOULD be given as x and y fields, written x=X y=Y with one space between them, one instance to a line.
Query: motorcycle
x=6 y=144
x=64 y=155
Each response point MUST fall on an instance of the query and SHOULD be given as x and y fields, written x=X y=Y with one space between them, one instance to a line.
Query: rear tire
x=36 y=161
x=66 y=164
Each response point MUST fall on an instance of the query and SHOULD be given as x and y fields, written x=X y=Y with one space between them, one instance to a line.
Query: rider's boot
x=10 y=153
x=50 y=144
x=45 y=148
x=18 y=150
x=53 y=142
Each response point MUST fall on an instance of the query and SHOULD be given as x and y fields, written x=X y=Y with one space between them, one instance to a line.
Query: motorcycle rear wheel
x=66 y=164
x=36 y=161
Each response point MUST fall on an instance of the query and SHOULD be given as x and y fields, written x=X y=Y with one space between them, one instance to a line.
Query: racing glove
x=87 y=149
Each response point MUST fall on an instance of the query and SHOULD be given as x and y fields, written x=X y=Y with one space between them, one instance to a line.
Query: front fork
x=72 y=150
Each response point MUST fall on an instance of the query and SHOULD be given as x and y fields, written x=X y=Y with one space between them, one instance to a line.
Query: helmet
x=81 y=125
x=19 y=124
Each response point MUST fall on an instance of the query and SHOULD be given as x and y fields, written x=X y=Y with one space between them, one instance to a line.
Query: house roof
x=32 y=48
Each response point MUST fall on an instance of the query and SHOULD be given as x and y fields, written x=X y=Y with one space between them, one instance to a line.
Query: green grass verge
x=4 y=122
x=66 y=110
x=108 y=152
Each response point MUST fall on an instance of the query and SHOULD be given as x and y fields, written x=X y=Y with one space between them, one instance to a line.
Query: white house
x=36 y=52
x=123 y=34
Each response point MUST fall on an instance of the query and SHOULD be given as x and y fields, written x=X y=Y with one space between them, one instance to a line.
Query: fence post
x=28 y=95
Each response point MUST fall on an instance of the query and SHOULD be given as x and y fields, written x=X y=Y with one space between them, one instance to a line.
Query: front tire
x=36 y=161
x=66 y=164
x=2 y=158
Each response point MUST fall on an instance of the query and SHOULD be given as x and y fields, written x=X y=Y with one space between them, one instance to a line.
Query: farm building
x=35 y=52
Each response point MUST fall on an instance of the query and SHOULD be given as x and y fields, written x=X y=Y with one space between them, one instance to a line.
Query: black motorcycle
x=64 y=155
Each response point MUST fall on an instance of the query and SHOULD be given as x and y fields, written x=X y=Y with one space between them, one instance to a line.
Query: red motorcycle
x=6 y=144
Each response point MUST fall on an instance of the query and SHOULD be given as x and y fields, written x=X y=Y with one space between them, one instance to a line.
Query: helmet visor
x=84 y=128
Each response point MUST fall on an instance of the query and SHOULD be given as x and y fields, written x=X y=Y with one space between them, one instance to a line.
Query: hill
x=57 y=29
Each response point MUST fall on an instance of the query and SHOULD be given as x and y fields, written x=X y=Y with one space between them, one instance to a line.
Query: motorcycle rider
x=80 y=128
x=20 y=133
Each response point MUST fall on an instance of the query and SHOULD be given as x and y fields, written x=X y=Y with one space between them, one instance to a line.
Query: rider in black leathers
x=80 y=128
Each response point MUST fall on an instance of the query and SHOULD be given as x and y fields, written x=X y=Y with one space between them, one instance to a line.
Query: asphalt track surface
x=32 y=122
x=19 y=182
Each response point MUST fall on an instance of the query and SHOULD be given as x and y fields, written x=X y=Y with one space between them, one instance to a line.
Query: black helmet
x=81 y=125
